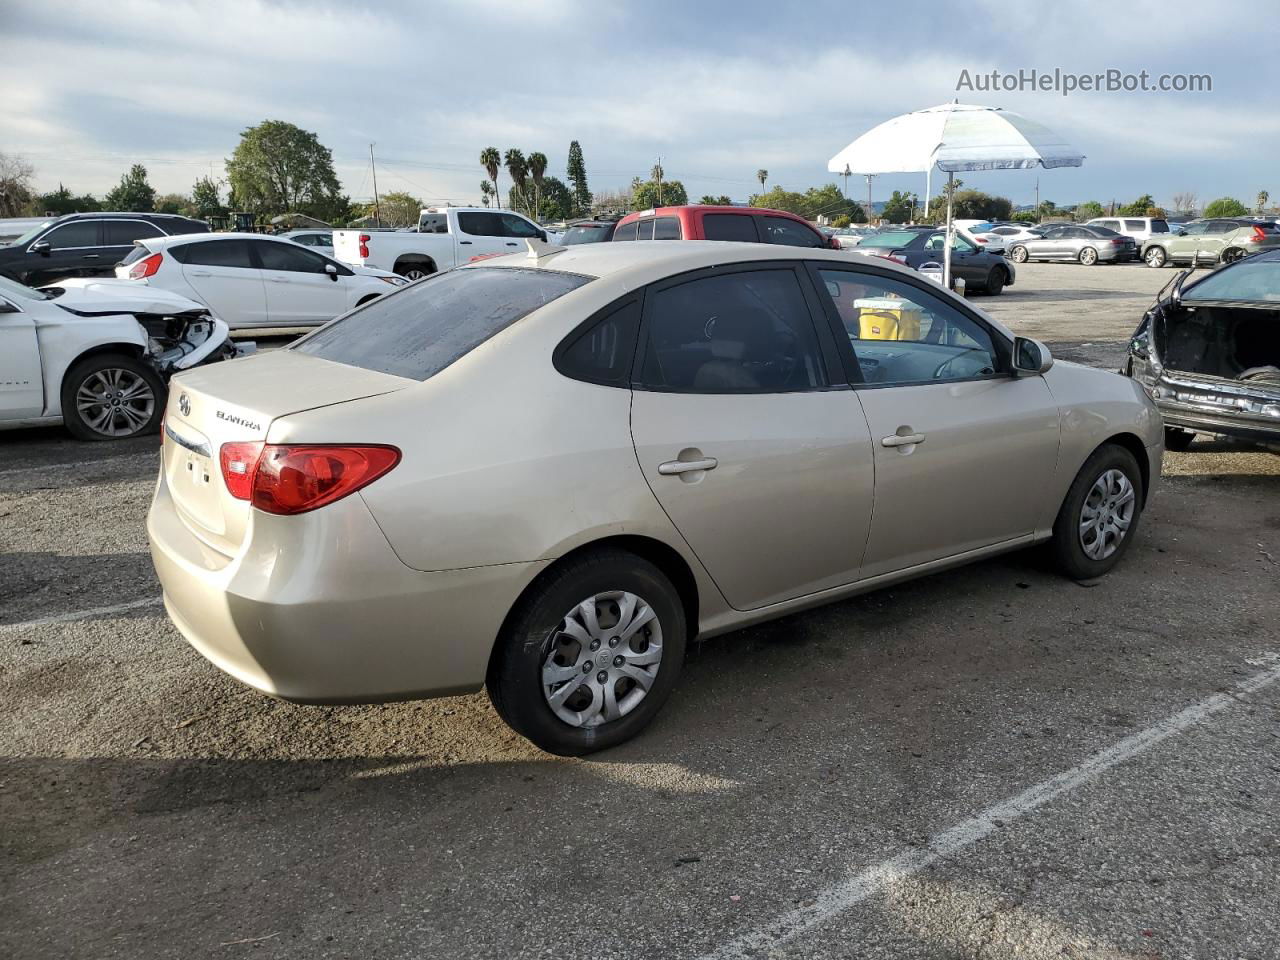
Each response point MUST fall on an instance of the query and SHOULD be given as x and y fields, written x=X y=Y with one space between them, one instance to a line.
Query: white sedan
x=95 y=354
x=250 y=280
x=321 y=241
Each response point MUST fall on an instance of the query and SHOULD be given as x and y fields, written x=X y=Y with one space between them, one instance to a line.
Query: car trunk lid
x=236 y=402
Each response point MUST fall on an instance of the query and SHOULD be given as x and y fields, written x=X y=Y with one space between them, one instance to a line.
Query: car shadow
x=40 y=584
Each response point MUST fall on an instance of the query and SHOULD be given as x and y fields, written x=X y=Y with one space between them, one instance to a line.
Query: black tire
x=1232 y=255
x=995 y=281
x=1177 y=440
x=1088 y=257
x=514 y=680
x=131 y=416
x=415 y=270
x=1019 y=254
x=1066 y=548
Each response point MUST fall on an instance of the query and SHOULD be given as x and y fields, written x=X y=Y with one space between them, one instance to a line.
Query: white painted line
x=82 y=614
x=862 y=886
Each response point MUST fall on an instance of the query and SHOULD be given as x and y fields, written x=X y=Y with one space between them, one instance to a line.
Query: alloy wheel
x=1155 y=257
x=1106 y=514
x=1088 y=256
x=603 y=659
x=115 y=402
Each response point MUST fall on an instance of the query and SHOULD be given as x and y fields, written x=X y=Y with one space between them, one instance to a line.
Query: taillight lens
x=297 y=478
x=980 y=239
x=145 y=268
x=833 y=243
x=1259 y=235
x=364 y=245
x=1117 y=241
x=239 y=461
x=894 y=257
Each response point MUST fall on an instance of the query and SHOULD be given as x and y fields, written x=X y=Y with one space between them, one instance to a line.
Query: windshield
x=426 y=326
x=12 y=288
x=893 y=238
x=1249 y=280
x=31 y=234
x=587 y=233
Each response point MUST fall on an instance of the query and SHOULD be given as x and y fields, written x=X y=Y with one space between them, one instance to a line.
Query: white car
x=96 y=354
x=1142 y=229
x=1010 y=233
x=980 y=232
x=251 y=280
x=321 y=241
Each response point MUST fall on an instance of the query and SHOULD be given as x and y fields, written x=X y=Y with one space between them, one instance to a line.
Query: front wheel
x=1088 y=256
x=1156 y=257
x=590 y=655
x=1099 y=517
x=1019 y=254
x=112 y=396
x=995 y=281
x=1232 y=255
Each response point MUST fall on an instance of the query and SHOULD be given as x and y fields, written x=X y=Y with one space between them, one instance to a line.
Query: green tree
x=825 y=201
x=133 y=193
x=720 y=201
x=205 y=200
x=976 y=205
x=491 y=160
x=62 y=201
x=1138 y=208
x=518 y=170
x=762 y=176
x=537 y=172
x=841 y=222
x=555 y=199
x=280 y=168
x=1263 y=197
x=646 y=195
x=16 y=176
x=174 y=203
x=486 y=192
x=1089 y=210
x=1225 y=207
x=576 y=170
x=397 y=209
x=898 y=208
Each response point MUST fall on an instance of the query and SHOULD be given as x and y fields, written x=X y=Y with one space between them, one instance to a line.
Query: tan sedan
x=548 y=473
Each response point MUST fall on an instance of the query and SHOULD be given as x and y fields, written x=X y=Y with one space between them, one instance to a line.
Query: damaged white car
x=1208 y=353
x=97 y=354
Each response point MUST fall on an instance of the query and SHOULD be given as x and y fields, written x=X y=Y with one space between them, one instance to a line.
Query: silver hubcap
x=603 y=660
x=115 y=402
x=1107 y=514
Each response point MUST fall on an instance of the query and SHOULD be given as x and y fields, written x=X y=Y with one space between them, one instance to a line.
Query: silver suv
x=1141 y=229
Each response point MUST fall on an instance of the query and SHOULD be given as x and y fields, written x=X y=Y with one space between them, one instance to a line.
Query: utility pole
x=847 y=173
x=870 y=177
x=1037 y=194
x=377 y=208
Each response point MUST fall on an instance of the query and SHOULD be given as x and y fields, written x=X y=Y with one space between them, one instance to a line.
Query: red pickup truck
x=698 y=222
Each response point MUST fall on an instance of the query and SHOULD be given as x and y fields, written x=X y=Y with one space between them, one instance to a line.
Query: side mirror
x=41 y=247
x=332 y=271
x=542 y=235
x=1030 y=357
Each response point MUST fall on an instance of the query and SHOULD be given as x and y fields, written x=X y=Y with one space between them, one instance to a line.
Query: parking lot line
x=82 y=614
x=842 y=896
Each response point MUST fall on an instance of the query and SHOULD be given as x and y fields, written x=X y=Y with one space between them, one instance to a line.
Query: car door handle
x=201 y=273
x=512 y=243
x=464 y=243
x=92 y=256
x=674 y=468
x=279 y=279
x=899 y=440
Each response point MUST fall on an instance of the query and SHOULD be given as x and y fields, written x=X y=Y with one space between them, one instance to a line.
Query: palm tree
x=1263 y=197
x=486 y=191
x=491 y=160
x=762 y=176
x=655 y=174
x=537 y=168
x=518 y=171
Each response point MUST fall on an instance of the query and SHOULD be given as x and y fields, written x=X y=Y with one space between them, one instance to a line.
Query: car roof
x=155 y=243
x=708 y=208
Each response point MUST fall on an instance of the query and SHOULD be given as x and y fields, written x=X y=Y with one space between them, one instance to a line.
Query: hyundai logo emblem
x=184 y=404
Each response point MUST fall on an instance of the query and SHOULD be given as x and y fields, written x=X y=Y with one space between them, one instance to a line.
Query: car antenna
x=539 y=249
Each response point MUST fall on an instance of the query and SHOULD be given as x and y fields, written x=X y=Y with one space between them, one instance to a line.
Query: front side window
x=215 y=253
x=605 y=351
x=426 y=326
x=786 y=231
x=481 y=224
x=730 y=226
x=1194 y=229
x=121 y=233
x=901 y=334
x=937 y=243
x=744 y=332
x=514 y=226
x=1221 y=227
x=78 y=233
x=288 y=257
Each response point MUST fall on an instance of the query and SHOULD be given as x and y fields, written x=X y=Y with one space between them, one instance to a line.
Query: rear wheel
x=415 y=270
x=1232 y=255
x=1099 y=517
x=590 y=655
x=995 y=281
x=112 y=396
x=1019 y=254
x=1177 y=440
x=1155 y=257
x=1088 y=256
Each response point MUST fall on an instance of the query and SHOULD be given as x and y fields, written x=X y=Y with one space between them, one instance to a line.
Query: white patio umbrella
x=955 y=137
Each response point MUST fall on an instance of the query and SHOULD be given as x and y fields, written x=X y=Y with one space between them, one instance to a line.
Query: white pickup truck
x=445 y=237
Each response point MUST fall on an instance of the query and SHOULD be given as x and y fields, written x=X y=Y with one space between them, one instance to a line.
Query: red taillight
x=145 y=268
x=1259 y=235
x=834 y=244
x=980 y=239
x=892 y=256
x=1117 y=241
x=364 y=245
x=297 y=478
x=239 y=461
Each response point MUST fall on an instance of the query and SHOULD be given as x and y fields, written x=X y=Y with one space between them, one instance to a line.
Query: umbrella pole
x=946 y=256
x=928 y=179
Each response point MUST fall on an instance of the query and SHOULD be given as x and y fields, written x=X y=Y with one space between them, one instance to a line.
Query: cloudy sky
x=717 y=89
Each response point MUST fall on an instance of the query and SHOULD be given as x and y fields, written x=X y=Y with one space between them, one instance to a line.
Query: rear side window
x=644 y=229
x=625 y=231
x=121 y=233
x=426 y=326
x=604 y=352
x=730 y=226
x=1134 y=225
x=786 y=231
x=433 y=223
x=666 y=228
x=215 y=253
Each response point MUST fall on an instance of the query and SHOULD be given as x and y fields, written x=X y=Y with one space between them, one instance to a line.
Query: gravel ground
x=992 y=762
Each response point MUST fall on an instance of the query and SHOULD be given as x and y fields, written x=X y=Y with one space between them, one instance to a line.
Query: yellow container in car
x=885 y=318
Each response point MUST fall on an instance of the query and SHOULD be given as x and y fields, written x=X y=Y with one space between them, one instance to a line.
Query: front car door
x=21 y=377
x=752 y=445
x=964 y=451
x=1186 y=244
x=226 y=278
x=299 y=290
x=479 y=233
x=1050 y=246
x=75 y=249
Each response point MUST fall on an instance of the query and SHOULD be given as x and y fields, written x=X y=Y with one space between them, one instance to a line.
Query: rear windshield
x=428 y=325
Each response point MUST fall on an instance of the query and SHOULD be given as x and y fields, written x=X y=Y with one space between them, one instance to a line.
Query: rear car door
x=299 y=290
x=788 y=232
x=119 y=235
x=963 y=450
x=226 y=278
x=21 y=378
x=479 y=233
x=730 y=226
x=1215 y=238
x=746 y=435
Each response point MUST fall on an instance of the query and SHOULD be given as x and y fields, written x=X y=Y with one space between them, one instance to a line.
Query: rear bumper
x=318 y=609
x=1215 y=423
